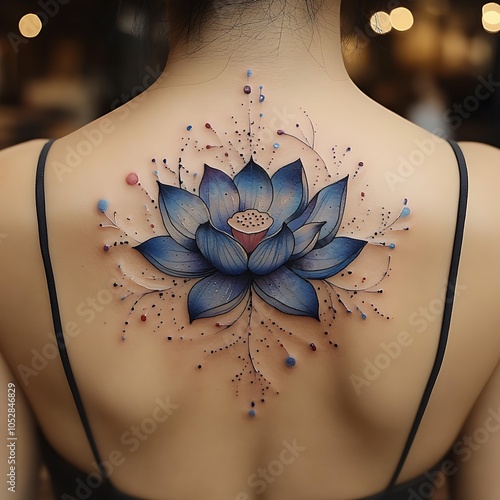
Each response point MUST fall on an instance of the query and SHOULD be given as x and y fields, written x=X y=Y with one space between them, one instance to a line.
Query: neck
x=292 y=47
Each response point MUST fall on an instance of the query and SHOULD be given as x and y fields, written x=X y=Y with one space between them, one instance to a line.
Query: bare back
x=203 y=367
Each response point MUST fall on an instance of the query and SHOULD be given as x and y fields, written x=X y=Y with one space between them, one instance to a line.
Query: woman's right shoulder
x=481 y=265
x=483 y=167
x=482 y=156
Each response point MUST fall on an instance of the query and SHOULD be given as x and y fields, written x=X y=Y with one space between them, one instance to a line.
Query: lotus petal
x=173 y=259
x=182 y=214
x=217 y=294
x=290 y=194
x=305 y=239
x=254 y=187
x=272 y=252
x=221 y=250
x=325 y=262
x=327 y=206
x=221 y=197
x=288 y=293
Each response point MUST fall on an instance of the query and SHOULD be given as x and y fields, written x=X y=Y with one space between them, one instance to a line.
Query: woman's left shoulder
x=16 y=162
x=17 y=200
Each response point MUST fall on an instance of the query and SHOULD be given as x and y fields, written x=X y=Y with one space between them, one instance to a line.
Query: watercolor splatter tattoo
x=242 y=244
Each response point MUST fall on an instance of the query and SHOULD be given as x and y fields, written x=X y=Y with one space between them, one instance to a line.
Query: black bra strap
x=450 y=296
x=54 y=305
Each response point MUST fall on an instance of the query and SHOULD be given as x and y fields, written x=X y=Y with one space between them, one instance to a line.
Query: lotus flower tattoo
x=252 y=234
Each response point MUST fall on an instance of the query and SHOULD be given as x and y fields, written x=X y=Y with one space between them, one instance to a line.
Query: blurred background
x=65 y=62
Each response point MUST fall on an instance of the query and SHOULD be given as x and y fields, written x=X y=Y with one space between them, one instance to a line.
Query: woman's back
x=288 y=371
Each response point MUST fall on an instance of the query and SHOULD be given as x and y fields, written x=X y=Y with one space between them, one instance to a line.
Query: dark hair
x=190 y=16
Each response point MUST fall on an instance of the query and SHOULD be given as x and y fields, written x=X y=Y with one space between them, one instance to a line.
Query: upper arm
x=482 y=235
x=13 y=157
x=19 y=461
x=477 y=450
x=483 y=162
x=18 y=437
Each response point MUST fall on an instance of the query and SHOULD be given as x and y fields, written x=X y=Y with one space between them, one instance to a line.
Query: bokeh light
x=491 y=17
x=380 y=23
x=30 y=26
x=402 y=19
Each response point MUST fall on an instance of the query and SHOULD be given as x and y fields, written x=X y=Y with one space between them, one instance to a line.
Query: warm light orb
x=491 y=28
x=30 y=25
x=402 y=19
x=491 y=7
x=491 y=17
x=380 y=23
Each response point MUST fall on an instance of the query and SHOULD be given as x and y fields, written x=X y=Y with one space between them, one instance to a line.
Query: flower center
x=250 y=228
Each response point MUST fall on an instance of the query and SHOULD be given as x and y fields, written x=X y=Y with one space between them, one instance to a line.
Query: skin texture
x=349 y=440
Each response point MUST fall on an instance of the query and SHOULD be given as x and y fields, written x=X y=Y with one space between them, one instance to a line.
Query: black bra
x=67 y=479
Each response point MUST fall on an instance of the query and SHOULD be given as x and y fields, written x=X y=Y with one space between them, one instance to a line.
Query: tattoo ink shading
x=244 y=247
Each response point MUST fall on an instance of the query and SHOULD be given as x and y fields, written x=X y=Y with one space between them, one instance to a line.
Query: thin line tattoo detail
x=245 y=245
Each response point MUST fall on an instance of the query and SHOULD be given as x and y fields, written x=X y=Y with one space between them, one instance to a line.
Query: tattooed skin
x=243 y=244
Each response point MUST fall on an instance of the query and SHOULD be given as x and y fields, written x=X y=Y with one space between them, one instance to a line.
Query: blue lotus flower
x=252 y=233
